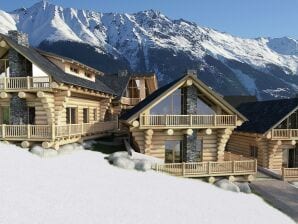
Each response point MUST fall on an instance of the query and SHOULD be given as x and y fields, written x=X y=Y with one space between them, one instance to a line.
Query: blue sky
x=245 y=18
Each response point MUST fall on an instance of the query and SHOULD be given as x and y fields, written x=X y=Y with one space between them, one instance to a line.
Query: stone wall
x=19 y=66
x=189 y=106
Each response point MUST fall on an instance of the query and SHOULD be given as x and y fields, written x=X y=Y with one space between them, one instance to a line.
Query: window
x=31 y=115
x=5 y=115
x=95 y=114
x=73 y=69
x=203 y=108
x=254 y=151
x=85 y=115
x=170 y=105
x=173 y=151
x=134 y=89
x=71 y=115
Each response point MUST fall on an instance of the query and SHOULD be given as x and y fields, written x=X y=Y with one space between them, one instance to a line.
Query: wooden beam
x=4 y=95
x=24 y=95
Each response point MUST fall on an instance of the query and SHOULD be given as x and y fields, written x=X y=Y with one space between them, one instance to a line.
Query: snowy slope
x=84 y=188
x=142 y=37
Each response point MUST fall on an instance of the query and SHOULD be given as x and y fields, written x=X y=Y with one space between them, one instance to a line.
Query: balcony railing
x=25 y=83
x=130 y=101
x=164 y=121
x=290 y=174
x=46 y=132
x=206 y=169
x=284 y=134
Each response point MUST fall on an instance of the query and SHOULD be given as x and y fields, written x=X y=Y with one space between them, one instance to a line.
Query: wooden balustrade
x=205 y=169
x=290 y=174
x=284 y=134
x=25 y=83
x=188 y=120
x=45 y=132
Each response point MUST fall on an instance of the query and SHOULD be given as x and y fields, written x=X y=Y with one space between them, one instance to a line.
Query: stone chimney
x=19 y=37
x=122 y=73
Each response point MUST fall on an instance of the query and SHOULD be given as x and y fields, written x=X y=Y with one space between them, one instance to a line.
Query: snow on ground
x=83 y=188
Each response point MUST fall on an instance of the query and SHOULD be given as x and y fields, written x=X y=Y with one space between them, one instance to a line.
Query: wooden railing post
x=190 y=120
x=28 y=131
x=4 y=83
x=209 y=167
x=183 y=169
x=233 y=166
x=3 y=130
x=53 y=132
x=28 y=82
x=214 y=120
x=256 y=165
x=166 y=121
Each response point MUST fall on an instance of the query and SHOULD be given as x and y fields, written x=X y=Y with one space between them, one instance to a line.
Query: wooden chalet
x=187 y=125
x=49 y=99
x=270 y=135
x=130 y=88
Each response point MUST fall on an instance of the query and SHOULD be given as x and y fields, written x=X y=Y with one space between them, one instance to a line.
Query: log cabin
x=130 y=88
x=49 y=99
x=187 y=125
x=270 y=136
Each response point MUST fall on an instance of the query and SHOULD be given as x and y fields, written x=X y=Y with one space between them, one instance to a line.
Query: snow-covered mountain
x=150 y=41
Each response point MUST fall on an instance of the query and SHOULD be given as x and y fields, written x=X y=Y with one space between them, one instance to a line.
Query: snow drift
x=83 y=188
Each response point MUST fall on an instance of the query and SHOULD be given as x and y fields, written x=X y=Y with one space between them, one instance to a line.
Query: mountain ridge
x=150 y=41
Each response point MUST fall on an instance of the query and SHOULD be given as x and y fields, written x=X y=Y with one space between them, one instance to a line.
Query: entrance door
x=293 y=158
x=31 y=114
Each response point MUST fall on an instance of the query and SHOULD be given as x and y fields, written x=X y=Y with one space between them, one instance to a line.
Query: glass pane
x=68 y=115
x=203 y=108
x=173 y=151
x=170 y=105
x=73 y=115
x=5 y=115
x=199 y=148
x=85 y=115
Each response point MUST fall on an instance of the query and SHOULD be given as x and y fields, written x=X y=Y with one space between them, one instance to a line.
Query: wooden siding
x=270 y=152
x=157 y=147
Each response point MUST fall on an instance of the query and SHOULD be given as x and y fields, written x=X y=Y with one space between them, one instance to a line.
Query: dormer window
x=74 y=70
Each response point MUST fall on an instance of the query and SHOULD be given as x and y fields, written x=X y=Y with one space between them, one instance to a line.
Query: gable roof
x=53 y=70
x=236 y=100
x=119 y=83
x=148 y=101
x=264 y=115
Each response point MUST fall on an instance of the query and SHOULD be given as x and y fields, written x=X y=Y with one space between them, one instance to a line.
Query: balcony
x=52 y=132
x=130 y=101
x=209 y=169
x=187 y=121
x=284 y=134
x=10 y=84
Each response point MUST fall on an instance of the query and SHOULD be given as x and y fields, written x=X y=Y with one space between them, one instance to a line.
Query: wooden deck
x=25 y=83
x=290 y=174
x=209 y=169
x=52 y=132
x=284 y=134
x=182 y=121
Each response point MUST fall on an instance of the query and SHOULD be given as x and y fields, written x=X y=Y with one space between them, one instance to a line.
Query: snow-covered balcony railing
x=284 y=134
x=181 y=121
x=290 y=174
x=130 y=101
x=206 y=169
x=25 y=83
x=47 y=132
